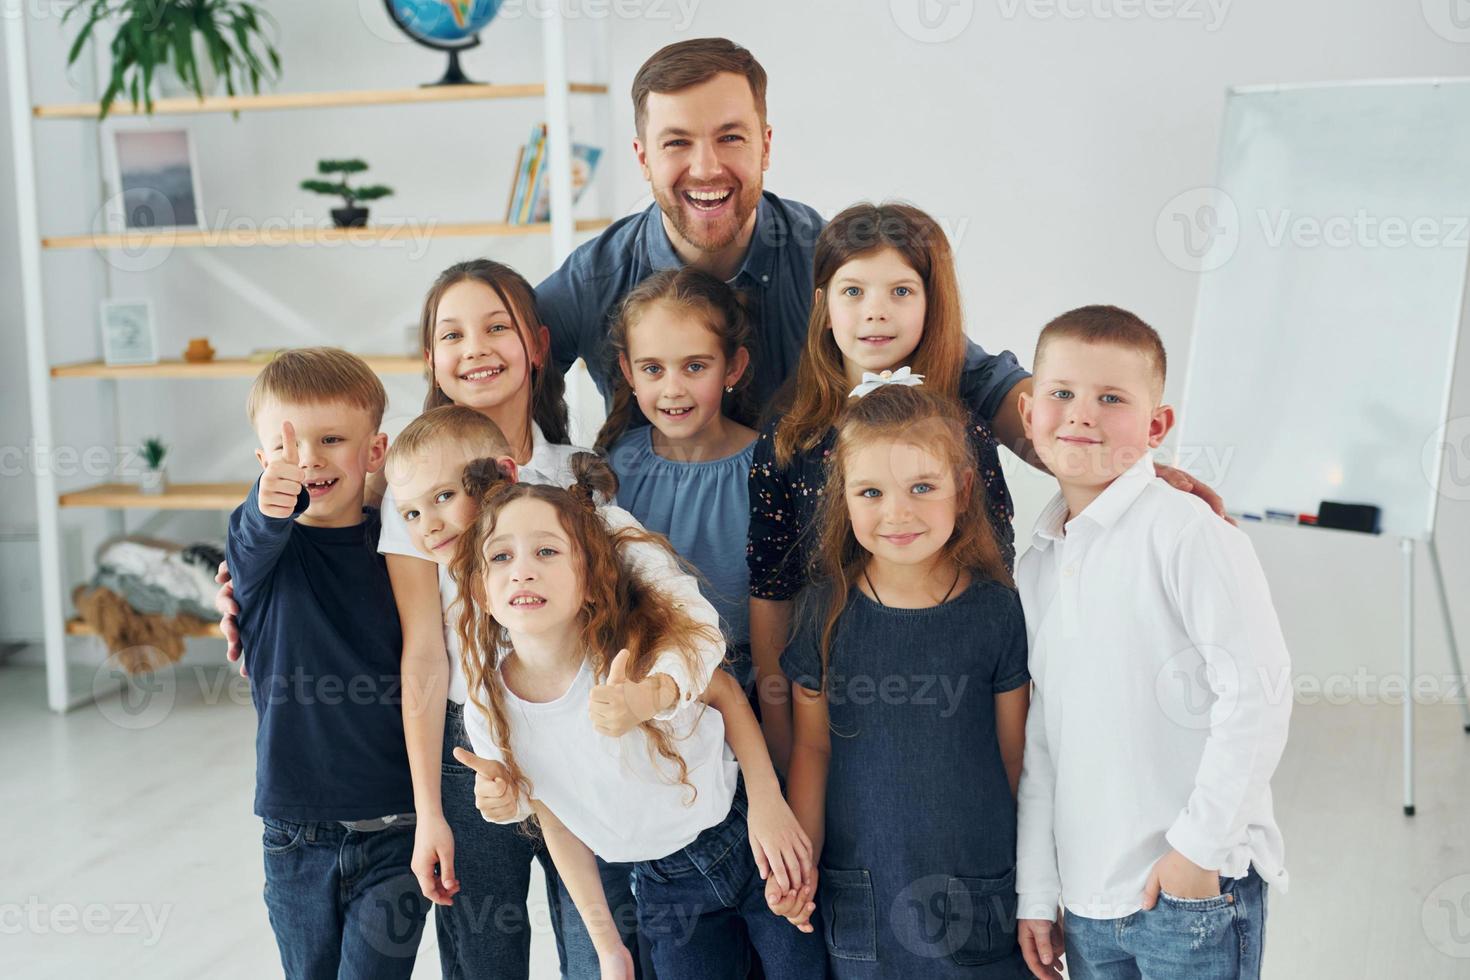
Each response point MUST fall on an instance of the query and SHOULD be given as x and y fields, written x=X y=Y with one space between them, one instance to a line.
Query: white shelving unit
x=554 y=91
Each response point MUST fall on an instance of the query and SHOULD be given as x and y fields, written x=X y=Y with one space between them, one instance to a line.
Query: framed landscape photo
x=128 y=336
x=156 y=179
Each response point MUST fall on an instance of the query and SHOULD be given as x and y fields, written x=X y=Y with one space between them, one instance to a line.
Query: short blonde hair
x=474 y=433
x=315 y=375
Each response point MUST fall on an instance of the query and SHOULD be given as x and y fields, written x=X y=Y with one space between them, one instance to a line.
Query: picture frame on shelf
x=128 y=334
x=154 y=175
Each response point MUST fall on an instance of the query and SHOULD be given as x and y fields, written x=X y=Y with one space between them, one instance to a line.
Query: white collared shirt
x=550 y=463
x=1162 y=696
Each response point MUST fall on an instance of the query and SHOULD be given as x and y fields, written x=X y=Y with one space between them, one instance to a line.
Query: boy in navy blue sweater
x=322 y=647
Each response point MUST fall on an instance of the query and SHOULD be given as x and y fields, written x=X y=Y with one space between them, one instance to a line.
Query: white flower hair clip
x=872 y=382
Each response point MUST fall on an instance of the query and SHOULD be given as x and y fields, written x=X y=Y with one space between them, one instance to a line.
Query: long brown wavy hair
x=618 y=608
x=548 y=387
x=918 y=416
x=821 y=383
x=698 y=295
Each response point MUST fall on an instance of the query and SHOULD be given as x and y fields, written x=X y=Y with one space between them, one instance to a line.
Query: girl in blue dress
x=676 y=435
x=910 y=690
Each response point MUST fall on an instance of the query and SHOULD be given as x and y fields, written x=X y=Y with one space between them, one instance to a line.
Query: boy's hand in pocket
x=1181 y=878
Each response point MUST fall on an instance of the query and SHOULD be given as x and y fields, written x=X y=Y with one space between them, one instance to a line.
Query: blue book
x=523 y=176
x=584 y=166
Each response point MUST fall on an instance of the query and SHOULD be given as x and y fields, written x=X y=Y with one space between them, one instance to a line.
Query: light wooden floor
x=129 y=848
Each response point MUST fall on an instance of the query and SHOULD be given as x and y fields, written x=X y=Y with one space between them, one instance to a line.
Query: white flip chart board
x=1333 y=257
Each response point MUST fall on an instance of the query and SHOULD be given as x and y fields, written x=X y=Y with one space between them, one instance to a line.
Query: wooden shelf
x=311 y=100
x=75 y=627
x=218 y=368
x=177 y=496
x=281 y=237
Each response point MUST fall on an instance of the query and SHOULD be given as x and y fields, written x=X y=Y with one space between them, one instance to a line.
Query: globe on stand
x=444 y=25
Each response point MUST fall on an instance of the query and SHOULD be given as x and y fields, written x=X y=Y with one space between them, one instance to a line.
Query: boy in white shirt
x=1162 y=687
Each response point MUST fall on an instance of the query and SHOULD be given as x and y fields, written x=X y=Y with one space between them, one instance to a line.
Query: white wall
x=1046 y=136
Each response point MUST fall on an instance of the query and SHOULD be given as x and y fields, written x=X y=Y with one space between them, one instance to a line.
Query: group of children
x=756 y=685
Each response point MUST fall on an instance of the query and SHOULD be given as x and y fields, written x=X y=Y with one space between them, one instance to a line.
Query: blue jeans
x=342 y=902
x=1218 y=938
x=574 y=944
x=486 y=932
x=703 y=908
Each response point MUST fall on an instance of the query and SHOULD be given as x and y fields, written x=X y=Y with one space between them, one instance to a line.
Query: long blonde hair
x=618 y=608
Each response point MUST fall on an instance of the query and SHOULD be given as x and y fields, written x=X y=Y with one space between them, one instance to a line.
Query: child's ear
x=967 y=485
x=507 y=465
x=377 y=452
x=627 y=371
x=827 y=321
x=1159 y=425
x=260 y=457
x=1024 y=406
x=735 y=370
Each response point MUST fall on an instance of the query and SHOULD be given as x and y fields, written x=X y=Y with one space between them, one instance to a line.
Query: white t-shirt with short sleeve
x=617 y=797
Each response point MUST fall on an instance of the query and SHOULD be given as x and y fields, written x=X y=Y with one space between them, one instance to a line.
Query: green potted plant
x=199 y=40
x=350 y=215
x=154 y=479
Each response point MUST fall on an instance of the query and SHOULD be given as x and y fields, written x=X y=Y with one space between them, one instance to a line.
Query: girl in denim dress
x=910 y=690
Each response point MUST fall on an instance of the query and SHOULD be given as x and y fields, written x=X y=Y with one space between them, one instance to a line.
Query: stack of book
x=530 y=195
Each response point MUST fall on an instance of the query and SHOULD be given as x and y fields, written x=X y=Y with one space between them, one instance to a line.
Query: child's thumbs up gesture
x=495 y=797
x=280 y=485
x=621 y=705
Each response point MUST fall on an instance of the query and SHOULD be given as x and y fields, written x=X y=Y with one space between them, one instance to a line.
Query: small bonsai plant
x=228 y=36
x=153 y=449
x=350 y=215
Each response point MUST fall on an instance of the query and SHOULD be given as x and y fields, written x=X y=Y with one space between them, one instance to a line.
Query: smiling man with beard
x=703 y=145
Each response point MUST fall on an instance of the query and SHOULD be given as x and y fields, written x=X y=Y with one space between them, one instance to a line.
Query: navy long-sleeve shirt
x=322 y=647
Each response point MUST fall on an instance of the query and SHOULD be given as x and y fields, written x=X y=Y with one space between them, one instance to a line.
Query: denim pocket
x=846 y=902
x=1211 y=904
x=649 y=870
x=281 y=836
x=980 y=918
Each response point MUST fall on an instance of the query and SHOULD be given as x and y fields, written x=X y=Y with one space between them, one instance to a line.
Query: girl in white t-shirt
x=426 y=510
x=562 y=610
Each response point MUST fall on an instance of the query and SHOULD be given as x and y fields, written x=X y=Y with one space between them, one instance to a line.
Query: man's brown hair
x=688 y=63
x=1106 y=325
